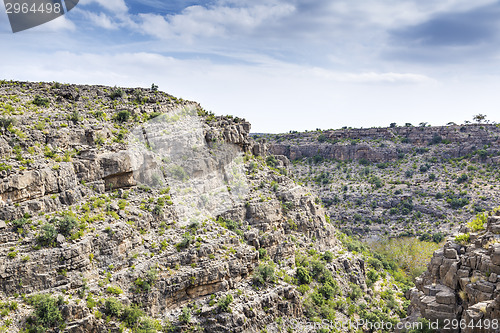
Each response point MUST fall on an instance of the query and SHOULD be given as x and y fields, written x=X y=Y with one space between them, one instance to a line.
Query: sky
x=282 y=65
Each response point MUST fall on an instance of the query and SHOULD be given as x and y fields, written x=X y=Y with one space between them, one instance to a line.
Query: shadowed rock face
x=461 y=281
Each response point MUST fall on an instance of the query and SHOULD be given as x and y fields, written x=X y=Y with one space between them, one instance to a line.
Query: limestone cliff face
x=462 y=280
x=338 y=144
x=84 y=210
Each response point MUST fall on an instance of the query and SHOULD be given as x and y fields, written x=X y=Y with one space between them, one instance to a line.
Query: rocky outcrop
x=99 y=200
x=357 y=144
x=461 y=282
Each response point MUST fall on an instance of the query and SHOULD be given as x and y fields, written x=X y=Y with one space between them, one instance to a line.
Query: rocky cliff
x=406 y=181
x=461 y=288
x=358 y=144
x=134 y=210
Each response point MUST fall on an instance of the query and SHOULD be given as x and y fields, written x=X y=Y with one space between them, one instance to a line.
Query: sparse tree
x=479 y=118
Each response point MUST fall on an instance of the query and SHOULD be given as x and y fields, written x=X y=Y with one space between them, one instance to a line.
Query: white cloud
x=60 y=24
x=113 y=6
x=99 y=19
x=372 y=77
x=199 y=21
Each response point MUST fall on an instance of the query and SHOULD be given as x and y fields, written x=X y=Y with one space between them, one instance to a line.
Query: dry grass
x=411 y=254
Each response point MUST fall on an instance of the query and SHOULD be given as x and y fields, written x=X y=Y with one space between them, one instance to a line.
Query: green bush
x=19 y=224
x=113 y=307
x=5 y=123
x=327 y=291
x=146 y=283
x=372 y=276
x=303 y=276
x=462 y=239
x=66 y=225
x=46 y=314
x=355 y=292
x=123 y=116
x=224 y=303
x=41 y=101
x=272 y=161
x=263 y=274
x=327 y=256
x=375 y=263
x=262 y=253
x=478 y=222
x=462 y=178
x=131 y=315
x=317 y=298
x=185 y=316
x=148 y=325
x=186 y=240
x=47 y=235
x=114 y=290
x=116 y=93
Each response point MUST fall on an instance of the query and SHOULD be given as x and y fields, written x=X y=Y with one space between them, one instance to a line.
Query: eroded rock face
x=461 y=281
x=122 y=231
x=338 y=145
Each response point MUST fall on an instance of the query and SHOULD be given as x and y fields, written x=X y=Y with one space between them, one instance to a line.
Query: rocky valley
x=399 y=181
x=130 y=210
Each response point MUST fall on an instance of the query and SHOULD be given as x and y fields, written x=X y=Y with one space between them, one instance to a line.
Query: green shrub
x=436 y=139
x=66 y=225
x=116 y=93
x=375 y=263
x=327 y=291
x=113 y=307
x=372 y=276
x=185 y=316
x=456 y=203
x=478 y=222
x=19 y=224
x=303 y=276
x=317 y=298
x=462 y=239
x=123 y=116
x=114 y=290
x=186 y=240
x=5 y=123
x=41 y=101
x=264 y=273
x=74 y=116
x=149 y=325
x=46 y=314
x=355 y=292
x=148 y=281
x=131 y=315
x=224 y=303
x=409 y=253
x=317 y=269
x=262 y=253
x=437 y=237
x=327 y=256
x=462 y=178
x=272 y=161
x=47 y=235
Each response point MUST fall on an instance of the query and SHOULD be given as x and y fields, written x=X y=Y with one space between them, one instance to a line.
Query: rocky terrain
x=461 y=288
x=129 y=210
x=398 y=181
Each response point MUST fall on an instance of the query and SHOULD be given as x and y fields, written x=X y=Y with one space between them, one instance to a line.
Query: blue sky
x=282 y=65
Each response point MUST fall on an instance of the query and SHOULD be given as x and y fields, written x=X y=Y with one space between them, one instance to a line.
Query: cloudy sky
x=282 y=65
